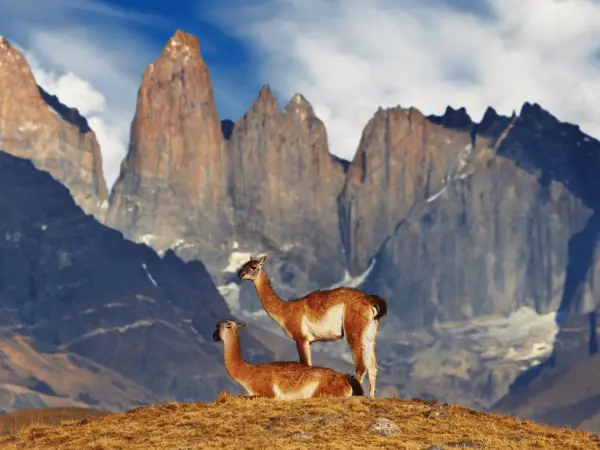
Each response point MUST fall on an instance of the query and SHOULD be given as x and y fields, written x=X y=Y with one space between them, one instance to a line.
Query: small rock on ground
x=435 y=447
x=464 y=444
x=385 y=427
x=302 y=436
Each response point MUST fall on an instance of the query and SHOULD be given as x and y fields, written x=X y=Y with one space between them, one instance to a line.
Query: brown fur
x=297 y=318
x=280 y=379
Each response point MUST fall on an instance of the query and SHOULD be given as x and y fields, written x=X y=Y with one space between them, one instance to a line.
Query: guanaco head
x=226 y=328
x=251 y=270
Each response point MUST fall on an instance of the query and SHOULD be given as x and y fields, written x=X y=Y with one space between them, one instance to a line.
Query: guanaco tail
x=282 y=380
x=326 y=315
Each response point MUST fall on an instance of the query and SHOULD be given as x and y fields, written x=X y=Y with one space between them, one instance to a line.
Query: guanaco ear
x=241 y=324
x=252 y=258
x=262 y=259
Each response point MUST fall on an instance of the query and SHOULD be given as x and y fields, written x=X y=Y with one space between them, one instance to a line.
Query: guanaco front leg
x=303 y=346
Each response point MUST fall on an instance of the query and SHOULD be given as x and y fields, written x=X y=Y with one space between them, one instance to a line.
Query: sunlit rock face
x=35 y=125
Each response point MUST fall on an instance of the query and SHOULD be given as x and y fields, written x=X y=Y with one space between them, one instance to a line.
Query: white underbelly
x=327 y=327
x=305 y=391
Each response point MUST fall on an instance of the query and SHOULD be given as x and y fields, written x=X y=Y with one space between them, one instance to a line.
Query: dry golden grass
x=242 y=423
x=12 y=422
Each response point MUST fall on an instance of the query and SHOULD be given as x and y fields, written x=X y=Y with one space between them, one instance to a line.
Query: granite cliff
x=36 y=125
x=284 y=182
x=497 y=236
x=511 y=230
x=173 y=183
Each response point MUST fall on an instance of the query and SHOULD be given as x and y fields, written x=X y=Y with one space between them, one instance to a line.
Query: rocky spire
x=173 y=178
x=281 y=168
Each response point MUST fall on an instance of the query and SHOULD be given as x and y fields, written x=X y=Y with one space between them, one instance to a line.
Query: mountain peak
x=489 y=114
x=457 y=115
x=457 y=119
x=265 y=101
x=299 y=99
x=182 y=43
x=10 y=55
x=534 y=110
x=299 y=105
x=534 y=116
x=4 y=44
x=265 y=92
x=492 y=123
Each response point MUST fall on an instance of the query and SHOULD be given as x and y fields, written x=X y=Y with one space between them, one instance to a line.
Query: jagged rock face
x=403 y=158
x=75 y=285
x=457 y=119
x=284 y=184
x=172 y=184
x=499 y=236
x=35 y=125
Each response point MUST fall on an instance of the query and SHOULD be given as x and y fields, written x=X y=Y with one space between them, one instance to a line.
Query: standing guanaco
x=324 y=315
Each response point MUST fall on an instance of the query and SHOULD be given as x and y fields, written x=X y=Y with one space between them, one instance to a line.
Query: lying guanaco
x=326 y=315
x=281 y=380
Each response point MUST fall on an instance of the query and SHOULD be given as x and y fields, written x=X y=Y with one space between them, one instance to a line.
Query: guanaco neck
x=273 y=305
x=234 y=363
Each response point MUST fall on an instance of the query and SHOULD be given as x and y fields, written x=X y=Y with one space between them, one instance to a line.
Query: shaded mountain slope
x=69 y=281
x=568 y=397
x=37 y=375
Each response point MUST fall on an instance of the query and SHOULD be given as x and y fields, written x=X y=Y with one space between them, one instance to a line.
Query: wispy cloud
x=87 y=54
x=350 y=56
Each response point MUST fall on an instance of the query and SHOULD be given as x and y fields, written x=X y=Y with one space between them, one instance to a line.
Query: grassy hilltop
x=241 y=423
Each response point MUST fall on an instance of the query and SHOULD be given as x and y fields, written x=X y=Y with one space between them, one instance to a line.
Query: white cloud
x=350 y=56
x=70 y=89
x=76 y=92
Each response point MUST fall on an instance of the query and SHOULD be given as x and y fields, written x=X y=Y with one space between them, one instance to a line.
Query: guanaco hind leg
x=372 y=363
x=355 y=342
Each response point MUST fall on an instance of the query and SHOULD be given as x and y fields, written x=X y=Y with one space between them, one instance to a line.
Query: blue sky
x=347 y=57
